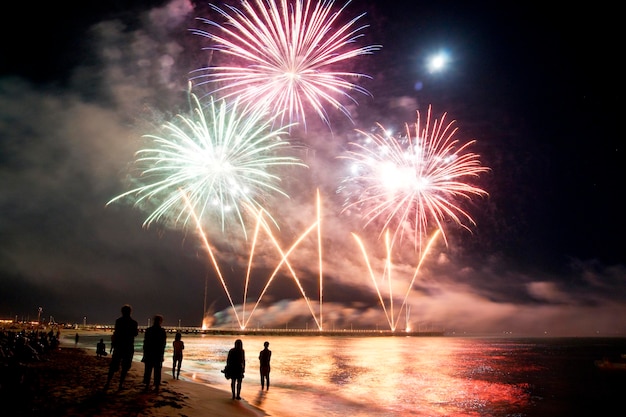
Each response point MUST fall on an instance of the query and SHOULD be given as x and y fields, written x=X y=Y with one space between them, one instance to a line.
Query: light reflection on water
x=359 y=376
x=389 y=376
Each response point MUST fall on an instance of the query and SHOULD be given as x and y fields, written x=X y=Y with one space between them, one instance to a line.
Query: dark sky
x=535 y=87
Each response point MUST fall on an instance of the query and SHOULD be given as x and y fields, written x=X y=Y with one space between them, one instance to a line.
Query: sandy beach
x=69 y=381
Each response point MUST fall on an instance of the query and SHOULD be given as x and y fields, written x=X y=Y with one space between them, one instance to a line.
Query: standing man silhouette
x=264 y=358
x=123 y=345
x=154 y=342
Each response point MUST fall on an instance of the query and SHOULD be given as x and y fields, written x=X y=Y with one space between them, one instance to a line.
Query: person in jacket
x=153 y=351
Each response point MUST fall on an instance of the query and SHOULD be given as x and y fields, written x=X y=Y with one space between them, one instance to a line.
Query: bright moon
x=437 y=62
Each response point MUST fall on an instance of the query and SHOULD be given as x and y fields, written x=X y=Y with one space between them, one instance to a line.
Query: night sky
x=536 y=88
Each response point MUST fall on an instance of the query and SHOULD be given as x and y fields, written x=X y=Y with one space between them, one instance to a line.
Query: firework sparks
x=220 y=161
x=285 y=56
x=242 y=321
x=387 y=274
x=411 y=181
x=285 y=255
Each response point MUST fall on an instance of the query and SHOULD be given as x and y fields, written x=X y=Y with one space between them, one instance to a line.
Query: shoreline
x=69 y=382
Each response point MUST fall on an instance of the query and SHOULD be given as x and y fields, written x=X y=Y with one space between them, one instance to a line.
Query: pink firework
x=412 y=182
x=284 y=55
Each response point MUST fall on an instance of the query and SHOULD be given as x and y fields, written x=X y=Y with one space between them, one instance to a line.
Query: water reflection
x=410 y=376
x=396 y=376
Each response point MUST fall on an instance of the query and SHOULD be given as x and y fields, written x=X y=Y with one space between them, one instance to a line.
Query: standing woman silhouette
x=177 y=357
x=236 y=367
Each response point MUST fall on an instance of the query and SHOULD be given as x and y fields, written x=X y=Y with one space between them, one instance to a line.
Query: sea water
x=313 y=376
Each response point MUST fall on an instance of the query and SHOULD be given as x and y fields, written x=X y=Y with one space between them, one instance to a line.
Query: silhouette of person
x=76 y=340
x=264 y=358
x=101 y=349
x=179 y=346
x=153 y=350
x=123 y=345
x=236 y=367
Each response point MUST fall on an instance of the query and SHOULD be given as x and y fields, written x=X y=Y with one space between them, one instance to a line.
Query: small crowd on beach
x=154 y=345
x=26 y=345
x=19 y=347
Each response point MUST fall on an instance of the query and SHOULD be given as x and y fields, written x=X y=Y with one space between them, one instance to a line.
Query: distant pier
x=100 y=328
x=299 y=332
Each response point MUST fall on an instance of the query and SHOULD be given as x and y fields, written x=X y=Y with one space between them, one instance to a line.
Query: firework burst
x=285 y=55
x=412 y=182
x=215 y=164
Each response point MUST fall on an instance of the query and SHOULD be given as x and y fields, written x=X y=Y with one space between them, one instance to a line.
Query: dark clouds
x=544 y=256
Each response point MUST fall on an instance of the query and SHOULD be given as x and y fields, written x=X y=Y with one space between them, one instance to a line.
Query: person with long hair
x=236 y=367
x=177 y=356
